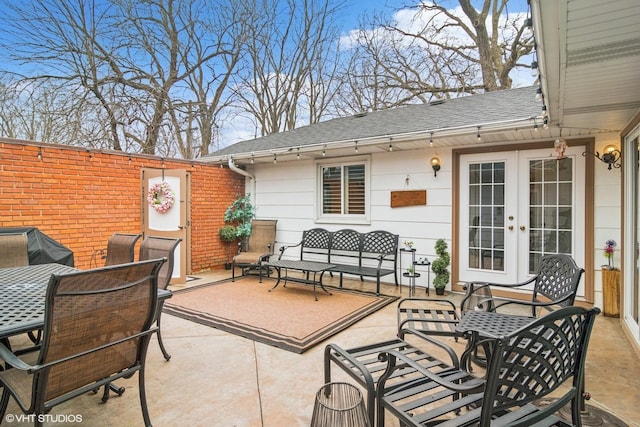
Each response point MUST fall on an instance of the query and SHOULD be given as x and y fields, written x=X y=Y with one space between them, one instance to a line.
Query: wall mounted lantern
x=435 y=164
x=611 y=155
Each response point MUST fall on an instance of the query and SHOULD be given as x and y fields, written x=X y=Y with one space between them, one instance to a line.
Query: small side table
x=413 y=274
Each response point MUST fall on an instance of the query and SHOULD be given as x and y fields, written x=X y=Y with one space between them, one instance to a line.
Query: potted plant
x=439 y=267
x=240 y=213
x=228 y=236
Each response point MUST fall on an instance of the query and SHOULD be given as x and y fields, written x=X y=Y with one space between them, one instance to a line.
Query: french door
x=517 y=206
x=631 y=306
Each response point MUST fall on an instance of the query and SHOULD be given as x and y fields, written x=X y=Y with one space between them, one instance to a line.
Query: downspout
x=233 y=167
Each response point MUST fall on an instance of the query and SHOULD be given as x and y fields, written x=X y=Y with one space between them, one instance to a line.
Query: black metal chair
x=121 y=248
x=554 y=285
x=80 y=351
x=260 y=246
x=546 y=356
x=439 y=317
x=363 y=365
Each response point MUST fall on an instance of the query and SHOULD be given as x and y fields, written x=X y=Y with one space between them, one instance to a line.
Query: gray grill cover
x=42 y=248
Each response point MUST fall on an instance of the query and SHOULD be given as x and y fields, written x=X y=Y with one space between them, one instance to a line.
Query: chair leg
x=141 y=387
x=166 y=355
x=4 y=402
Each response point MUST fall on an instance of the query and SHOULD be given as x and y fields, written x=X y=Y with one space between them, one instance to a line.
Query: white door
x=631 y=306
x=515 y=207
x=172 y=222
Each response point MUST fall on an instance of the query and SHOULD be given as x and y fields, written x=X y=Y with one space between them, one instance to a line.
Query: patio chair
x=364 y=366
x=554 y=285
x=153 y=247
x=80 y=350
x=556 y=282
x=14 y=253
x=121 y=248
x=439 y=317
x=13 y=250
x=546 y=356
x=259 y=248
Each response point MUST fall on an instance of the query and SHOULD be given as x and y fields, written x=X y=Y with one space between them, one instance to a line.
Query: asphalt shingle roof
x=500 y=106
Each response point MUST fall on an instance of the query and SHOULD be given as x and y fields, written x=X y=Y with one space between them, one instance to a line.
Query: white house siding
x=286 y=191
x=607 y=211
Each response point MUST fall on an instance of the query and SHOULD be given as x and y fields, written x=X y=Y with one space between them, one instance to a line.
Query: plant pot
x=439 y=291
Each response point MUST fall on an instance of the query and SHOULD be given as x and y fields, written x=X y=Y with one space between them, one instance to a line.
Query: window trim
x=364 y=219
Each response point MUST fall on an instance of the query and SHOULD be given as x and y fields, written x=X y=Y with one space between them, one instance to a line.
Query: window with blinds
x=343 y=189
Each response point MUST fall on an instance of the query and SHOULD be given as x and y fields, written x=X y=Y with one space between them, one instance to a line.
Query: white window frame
x=344 y=218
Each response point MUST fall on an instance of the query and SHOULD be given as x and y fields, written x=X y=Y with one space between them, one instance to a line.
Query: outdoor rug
x=288 y=318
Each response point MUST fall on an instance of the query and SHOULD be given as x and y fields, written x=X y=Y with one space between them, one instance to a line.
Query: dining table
x=23 y=293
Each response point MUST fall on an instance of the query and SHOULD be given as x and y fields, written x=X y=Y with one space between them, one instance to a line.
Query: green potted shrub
x=240 y=213
x=228 y=235
x=439 y=267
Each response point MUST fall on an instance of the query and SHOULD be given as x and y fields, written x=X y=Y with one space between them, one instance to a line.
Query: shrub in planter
x=439 y=267
x=240 y=213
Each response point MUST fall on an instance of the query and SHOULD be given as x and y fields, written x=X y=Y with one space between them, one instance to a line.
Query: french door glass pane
x=551 y=195
x=486 y=216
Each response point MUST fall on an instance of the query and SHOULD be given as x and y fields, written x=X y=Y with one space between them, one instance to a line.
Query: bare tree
x=290 y=64
x=439 y=53
x=137 y=60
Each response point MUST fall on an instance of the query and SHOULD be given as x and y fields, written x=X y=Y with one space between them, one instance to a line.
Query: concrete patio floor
x=218 y=379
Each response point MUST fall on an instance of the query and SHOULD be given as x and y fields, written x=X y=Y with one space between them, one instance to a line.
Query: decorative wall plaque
x=408 y=198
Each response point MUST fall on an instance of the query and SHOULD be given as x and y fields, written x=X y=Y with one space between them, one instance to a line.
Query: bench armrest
x=284 y=248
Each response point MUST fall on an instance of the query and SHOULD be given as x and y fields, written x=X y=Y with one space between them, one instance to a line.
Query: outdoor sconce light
x=435 y=164
x=611 y=155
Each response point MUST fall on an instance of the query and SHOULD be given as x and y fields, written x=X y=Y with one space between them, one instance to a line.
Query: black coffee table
x=313 y=272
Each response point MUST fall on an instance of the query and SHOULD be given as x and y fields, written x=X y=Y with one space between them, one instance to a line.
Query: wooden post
x=611 y=292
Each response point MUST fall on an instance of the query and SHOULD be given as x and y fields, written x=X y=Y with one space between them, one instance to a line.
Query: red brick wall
x=80 y=198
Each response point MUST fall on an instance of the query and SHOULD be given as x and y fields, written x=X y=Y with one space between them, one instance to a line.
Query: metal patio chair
x=554 y=285
x=546 y=356
x=14 y=250
x=153 y=247
x=121 y=248
x=259 y=248
x=80 y=350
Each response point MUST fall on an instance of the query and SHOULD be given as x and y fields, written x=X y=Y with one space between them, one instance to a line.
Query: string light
x=390 y=146
x=298 y=154
x=431 y=140
x=356 y=146
x=478 y=135
x=275 y=159
x=252 y=160
x=539 y=94
x=40 y=153
x=545 y=124
x=534 y=69
x=535 y=125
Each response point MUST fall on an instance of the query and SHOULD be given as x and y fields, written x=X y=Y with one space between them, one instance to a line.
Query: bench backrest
x=345 y=243
x=315 y=242
x=337 y=246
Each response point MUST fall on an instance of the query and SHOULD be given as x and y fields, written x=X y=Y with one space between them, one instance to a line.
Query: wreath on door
x=161 y=197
